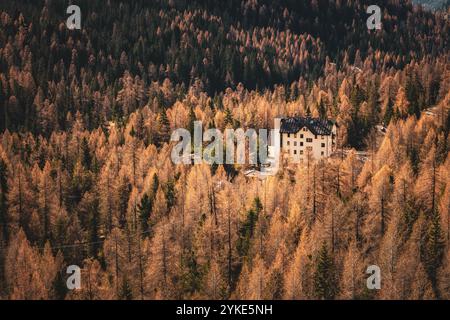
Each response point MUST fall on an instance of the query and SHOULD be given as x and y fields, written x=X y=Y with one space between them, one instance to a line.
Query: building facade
x=303 y=136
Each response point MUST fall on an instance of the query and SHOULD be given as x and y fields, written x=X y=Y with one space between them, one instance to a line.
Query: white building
x=300 y=136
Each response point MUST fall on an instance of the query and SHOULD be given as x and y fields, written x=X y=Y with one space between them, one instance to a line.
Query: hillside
x=87 y=178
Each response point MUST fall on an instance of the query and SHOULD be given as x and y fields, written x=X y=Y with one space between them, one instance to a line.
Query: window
x=295 y=143
x=323 y=145
x=301 y=151
x=321 y=153
x=309 y=148
x=322 y=137
x=308 y=139
x=315 y=136
x=287 y=142
x=301 y=136
x=295 y=152
x=289 y=135
x=301 y=144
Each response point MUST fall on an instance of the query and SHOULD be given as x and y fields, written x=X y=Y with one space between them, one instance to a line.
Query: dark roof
x=316 y=125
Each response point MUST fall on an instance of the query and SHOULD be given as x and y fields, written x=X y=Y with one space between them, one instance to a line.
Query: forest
x=86 y=176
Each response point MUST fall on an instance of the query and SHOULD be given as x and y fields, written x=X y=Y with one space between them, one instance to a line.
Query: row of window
x=301 y=136
x=301 y=152
x=301 y=143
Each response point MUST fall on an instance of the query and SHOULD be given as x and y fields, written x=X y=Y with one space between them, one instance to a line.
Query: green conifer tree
x=144 y=210
x=325 y=282
x=125 y=292
x=433 y=250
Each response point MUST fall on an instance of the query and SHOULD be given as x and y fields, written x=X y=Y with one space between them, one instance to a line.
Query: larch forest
x=86 y=176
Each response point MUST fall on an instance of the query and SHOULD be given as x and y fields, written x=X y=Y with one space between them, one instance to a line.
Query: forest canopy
x=86 y=176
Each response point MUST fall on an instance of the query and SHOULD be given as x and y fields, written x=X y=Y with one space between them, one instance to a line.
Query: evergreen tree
x=433 y=250
x=164 y=127
x=125 y=292
x=322 y=110
x=85 y=154
x=389 y=113
x=325 y=281
x=144 y=210
x=170 y=194
x=124 y=195
x=94 y=228
x=228 y=118
x=247 y=229
x=414 y=94
x=192 y=276
x=192 y=119
x=414 y=159
x=4 y=200
x=140 y=127
x=155 y=185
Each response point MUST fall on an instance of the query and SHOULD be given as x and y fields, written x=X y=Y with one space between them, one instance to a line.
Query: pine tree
x=433 y=250
x=140 y=128
x=47 y=201
x=170 y=194
x=85 y=154
x=124 y=190
x=164 y=128
x=325 y=282
x=322 y=110
x=229 y=122
x=192 y=119
x=125 y=292
x=94 y=227
x=192 y=275
x=389 y=113
x=247 y=229
x=144 y=210
x=155 y=185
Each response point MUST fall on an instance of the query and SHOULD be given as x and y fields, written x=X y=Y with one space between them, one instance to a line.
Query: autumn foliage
x=86 y=176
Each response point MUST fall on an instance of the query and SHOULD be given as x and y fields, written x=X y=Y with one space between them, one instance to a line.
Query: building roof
x=316 y=125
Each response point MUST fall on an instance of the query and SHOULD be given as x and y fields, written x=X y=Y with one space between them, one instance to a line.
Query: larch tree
x=229 y=226
x=389 y=253
x=115 y=249
x=350 y=168
x=403 y=198
x=257 y=280
x=275 y=276
x=379 y=197
x=215 y=286
x=106 y=191
x=24 y=279
x=47 y=201
x=95 y=284
x=428 y=183
x=20 y=198
x=401 y=104
x=352 y=273
x=158 y=275
x=444 y=276
x=4 y=202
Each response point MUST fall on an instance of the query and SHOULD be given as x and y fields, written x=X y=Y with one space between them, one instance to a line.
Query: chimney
x=277 y=123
